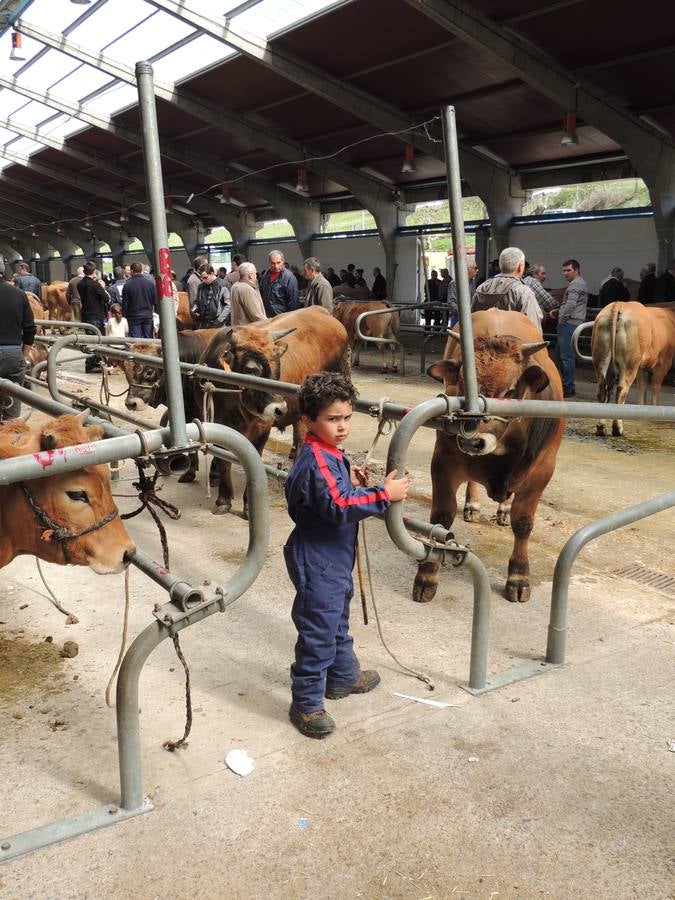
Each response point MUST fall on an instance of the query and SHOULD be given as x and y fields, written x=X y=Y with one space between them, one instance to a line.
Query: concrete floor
x=558 y=786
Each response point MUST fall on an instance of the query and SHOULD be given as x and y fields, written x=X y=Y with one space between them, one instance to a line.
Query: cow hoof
x=503 y=517
x=517 y=591
x=423 y=593
x=187 y=477
x=600 y=431
x=355 y=363
x=471 y=513
x=617 y=432
x=221 y=509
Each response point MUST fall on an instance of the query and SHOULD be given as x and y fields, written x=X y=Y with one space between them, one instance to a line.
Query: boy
x=326 y=505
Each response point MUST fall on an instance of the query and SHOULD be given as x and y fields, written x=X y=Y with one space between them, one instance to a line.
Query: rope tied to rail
x=148 y=497
x=208 y=413
x=104 y=393
x=384 y=427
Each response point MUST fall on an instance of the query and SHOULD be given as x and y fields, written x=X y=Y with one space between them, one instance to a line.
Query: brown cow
x=629 y=340
x=286 y=348
x=57 y=302
x=514 y=456
x=147 y=385
x=36 y=309
x=184 y=320
x=76 y=501
x=351 y=293
x=384 y=326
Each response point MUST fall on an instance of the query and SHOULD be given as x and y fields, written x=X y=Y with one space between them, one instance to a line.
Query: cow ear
x=95 y=432
x=445 y=369
x=282 y=347
x=534 y=378
x=47 y=440
x=13 y=444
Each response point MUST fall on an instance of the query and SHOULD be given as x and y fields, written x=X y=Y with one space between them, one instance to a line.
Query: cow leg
x=622 y=388
x=603 y=397
x=225 y=491
x=659 y=372
x=523 y=511
x=393 y=349
x=214 y=472
x=504 y=512
x=356 y=351
x=443 y=512
x=472 y=502
x=191 y=474
x=259 y=444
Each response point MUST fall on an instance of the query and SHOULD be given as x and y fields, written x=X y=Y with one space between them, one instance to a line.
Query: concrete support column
x=659 y=176
x=306 y=222
x=482 y=255
x=243 y=230
x=384 y=207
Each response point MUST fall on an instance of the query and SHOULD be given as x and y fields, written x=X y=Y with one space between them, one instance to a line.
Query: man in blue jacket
x=279 y=287
x=139 y=301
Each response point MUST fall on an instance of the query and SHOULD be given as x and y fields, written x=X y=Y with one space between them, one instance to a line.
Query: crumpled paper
x=240 y=762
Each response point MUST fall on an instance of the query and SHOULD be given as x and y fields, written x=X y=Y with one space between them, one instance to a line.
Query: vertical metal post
x=162 y=259
x=460 y=258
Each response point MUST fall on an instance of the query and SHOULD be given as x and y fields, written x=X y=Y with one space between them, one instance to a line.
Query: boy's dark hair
x=320 y=390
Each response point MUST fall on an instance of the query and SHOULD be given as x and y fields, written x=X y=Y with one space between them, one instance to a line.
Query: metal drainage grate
x=652 y=579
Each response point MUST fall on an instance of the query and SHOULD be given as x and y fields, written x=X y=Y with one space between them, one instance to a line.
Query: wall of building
x=599 y=245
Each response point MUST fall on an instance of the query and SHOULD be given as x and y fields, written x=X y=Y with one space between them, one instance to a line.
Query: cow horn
x=454 y=335
x=278 y=335
x=529 y=349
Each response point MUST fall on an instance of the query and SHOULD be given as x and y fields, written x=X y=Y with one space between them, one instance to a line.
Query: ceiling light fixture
x=570 y=135
x=302 y=185
x=16 y=55
x=408 y=166
x=224 y=195
x=80 y=2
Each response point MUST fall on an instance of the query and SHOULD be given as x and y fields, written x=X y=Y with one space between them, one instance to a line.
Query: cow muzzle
x=135 y=403
x=274 y=412
x=480 y=445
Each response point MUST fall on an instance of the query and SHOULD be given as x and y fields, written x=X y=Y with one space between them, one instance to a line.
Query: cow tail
x=617 y=331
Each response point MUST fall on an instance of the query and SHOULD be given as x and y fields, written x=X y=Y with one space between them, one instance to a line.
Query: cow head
x=254 y=351
x=504 y=370
x=72 y=500
x=146 y=382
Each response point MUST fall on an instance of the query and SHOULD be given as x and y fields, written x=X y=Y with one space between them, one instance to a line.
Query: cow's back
x=319 y=343
x=383 y=326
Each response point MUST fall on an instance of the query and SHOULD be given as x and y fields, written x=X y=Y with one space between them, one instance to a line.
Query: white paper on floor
x=441 y=704
x=240 y=762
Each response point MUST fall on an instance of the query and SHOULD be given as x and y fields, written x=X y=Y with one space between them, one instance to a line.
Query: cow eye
x=510 y=394
x=148 y=373
x=81 y=496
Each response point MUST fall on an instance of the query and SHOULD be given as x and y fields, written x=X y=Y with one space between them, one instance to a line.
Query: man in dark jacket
x=139 y=301
x=613 y=288
x=17 y=330
x=95 y=303
x=647 y=292
x=279 y=287
x=379 y=290
x=212 y=309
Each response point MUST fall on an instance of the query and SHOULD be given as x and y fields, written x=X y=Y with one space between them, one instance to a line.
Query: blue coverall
x=319 y=555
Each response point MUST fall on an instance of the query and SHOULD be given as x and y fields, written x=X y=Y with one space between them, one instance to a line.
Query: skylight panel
x=64 y=126
x=31 y=113
x=54 y=15
x=114 y=100
x=81 y=82
x=26 y=146
x=108 y=22
x=49 y=69
x=148 y=39
x=6 y=135
x=272 y=16
x=199 y=54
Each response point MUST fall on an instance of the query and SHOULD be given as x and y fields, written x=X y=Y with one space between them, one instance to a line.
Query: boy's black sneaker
x=317 y=724
x=366 y=682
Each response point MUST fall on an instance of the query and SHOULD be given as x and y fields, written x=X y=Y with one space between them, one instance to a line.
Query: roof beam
x=256 y=130
x=321 y=83
x=208 y=165
x=543 y=72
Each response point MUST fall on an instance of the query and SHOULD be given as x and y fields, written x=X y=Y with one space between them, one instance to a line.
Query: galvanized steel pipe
x=155 y=188
x=557 y=629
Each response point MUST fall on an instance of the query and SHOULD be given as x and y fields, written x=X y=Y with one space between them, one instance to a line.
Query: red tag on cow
x=47 y=535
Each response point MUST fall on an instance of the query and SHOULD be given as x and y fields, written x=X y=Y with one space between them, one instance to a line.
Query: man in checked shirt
x=535 y=279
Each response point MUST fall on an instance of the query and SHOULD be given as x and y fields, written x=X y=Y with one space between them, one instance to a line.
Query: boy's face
x=333 y=424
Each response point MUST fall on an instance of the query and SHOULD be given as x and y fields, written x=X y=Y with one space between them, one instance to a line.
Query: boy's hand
x=360 y=476
x=397 y=488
